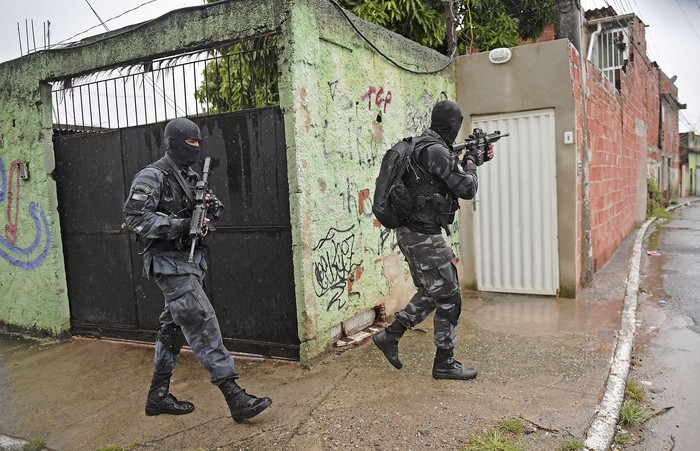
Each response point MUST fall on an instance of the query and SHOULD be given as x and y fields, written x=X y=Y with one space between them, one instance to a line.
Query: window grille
x=611 y=52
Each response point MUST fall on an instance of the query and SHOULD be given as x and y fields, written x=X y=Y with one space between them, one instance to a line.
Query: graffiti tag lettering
x=333 y=265
x=380 y=98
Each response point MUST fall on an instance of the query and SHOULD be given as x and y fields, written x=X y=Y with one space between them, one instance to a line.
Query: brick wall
x=622 y=129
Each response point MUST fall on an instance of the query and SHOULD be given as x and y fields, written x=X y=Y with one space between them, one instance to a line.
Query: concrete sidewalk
x=541 y=359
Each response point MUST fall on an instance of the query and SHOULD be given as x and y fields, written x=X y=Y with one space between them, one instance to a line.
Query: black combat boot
x=160 y=401
x=388 y=342
x=446 y=367
x=241 y=404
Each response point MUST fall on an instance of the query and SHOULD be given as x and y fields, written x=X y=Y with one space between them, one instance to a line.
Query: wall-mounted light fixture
x=500 y=55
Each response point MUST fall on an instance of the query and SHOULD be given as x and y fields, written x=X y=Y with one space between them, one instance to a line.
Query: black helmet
x=176 y=132
x=446 y=120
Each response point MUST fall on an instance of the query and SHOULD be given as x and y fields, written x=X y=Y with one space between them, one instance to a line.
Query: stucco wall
x=350 y=104
x=343 y=103
x=33 y=294
x=486 y=88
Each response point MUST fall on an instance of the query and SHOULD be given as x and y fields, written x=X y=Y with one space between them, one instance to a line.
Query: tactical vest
x=433 y=201
x=173 y=200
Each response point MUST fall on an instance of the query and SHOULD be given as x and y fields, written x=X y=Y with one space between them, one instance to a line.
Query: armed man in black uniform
x=159 y=210
x=436 y=179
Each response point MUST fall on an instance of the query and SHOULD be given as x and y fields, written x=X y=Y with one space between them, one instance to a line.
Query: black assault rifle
x=200 y=208
x=480 y=141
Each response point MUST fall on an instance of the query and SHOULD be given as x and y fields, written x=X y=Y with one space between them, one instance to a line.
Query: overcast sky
x=673 y=32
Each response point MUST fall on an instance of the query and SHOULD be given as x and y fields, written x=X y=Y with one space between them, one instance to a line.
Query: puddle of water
x=534 y=316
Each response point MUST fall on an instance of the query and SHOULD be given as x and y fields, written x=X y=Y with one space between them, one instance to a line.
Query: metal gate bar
x=184 y=85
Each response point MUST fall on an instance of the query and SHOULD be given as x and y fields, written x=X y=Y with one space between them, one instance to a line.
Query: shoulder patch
x=142 y=188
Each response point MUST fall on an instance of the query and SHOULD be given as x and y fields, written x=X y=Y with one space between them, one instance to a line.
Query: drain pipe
x=591 y=40
x=587 y=266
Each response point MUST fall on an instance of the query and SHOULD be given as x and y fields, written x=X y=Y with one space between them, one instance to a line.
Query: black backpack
x=392 y=201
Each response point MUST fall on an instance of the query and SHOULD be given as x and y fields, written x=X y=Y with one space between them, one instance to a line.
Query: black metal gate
x=250 y=281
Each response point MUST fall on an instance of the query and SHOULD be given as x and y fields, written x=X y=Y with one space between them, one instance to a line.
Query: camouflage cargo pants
x=187 y=306
x=434 y=274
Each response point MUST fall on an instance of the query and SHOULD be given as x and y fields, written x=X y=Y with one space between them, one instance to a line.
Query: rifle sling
x=180 y=180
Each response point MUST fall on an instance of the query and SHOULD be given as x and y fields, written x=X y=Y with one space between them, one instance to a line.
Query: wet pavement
x=667 y=350
x=540 y=359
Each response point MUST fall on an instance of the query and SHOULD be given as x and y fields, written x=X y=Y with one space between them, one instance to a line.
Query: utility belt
x=435 y=208
x=166 y=245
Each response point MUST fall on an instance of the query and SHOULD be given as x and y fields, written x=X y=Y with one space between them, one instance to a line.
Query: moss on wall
x=33 y=293
x=350 y=105
x=344 y=105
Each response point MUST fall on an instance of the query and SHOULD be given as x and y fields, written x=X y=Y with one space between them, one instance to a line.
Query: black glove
x=214 y=206
x=474 y=155
x=186 y=224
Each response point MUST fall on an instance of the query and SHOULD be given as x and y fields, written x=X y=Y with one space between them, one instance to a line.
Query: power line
x=371 y=44
x=686 y=18
x=97 y=15
x=103 y=23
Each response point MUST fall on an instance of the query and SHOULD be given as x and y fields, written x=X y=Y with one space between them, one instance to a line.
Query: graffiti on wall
x=418 y=113
x=333 y=266
x=381 y=97
x=355 y=135
x=33 y=255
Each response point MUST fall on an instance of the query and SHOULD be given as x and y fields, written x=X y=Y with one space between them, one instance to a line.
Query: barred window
x=611 y=51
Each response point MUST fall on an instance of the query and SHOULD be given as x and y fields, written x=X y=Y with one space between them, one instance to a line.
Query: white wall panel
x=515 y=221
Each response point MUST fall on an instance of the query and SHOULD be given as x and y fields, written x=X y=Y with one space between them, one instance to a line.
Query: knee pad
x=172 y=338
x=450 y=308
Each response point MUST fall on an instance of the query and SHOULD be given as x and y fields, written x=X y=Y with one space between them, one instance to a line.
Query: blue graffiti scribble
x=9 y=251
x=26 y=251
x=3 y=184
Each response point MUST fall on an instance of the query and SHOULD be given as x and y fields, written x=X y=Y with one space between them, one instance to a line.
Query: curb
x=602 y=430
x=8 y=443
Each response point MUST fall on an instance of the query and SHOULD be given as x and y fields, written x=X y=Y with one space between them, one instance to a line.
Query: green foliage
x=243 y=75
x=491 y=441
x=531 y=15
x=35 y=445
x=622 y=438
x=633 y=391
x=655 y=201
x=488 y=24
x=485 y=24
x=420 y=21
x=633 y=414
x=512 y=425
x=572 y=445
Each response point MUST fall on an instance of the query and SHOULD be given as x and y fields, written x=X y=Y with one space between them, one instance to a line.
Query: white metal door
x=515 y=222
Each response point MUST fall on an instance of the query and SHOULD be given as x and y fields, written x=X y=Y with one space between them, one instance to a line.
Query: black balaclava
x=446 y=120
x=176 y=132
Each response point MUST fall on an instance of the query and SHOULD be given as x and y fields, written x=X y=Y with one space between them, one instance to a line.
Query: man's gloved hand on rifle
x=214 y=205
x=476 y=157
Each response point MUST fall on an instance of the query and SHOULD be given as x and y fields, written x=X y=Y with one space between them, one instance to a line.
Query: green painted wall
x=32 y=281
x=33 y=294
x=350 y=104
x=344 y=105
